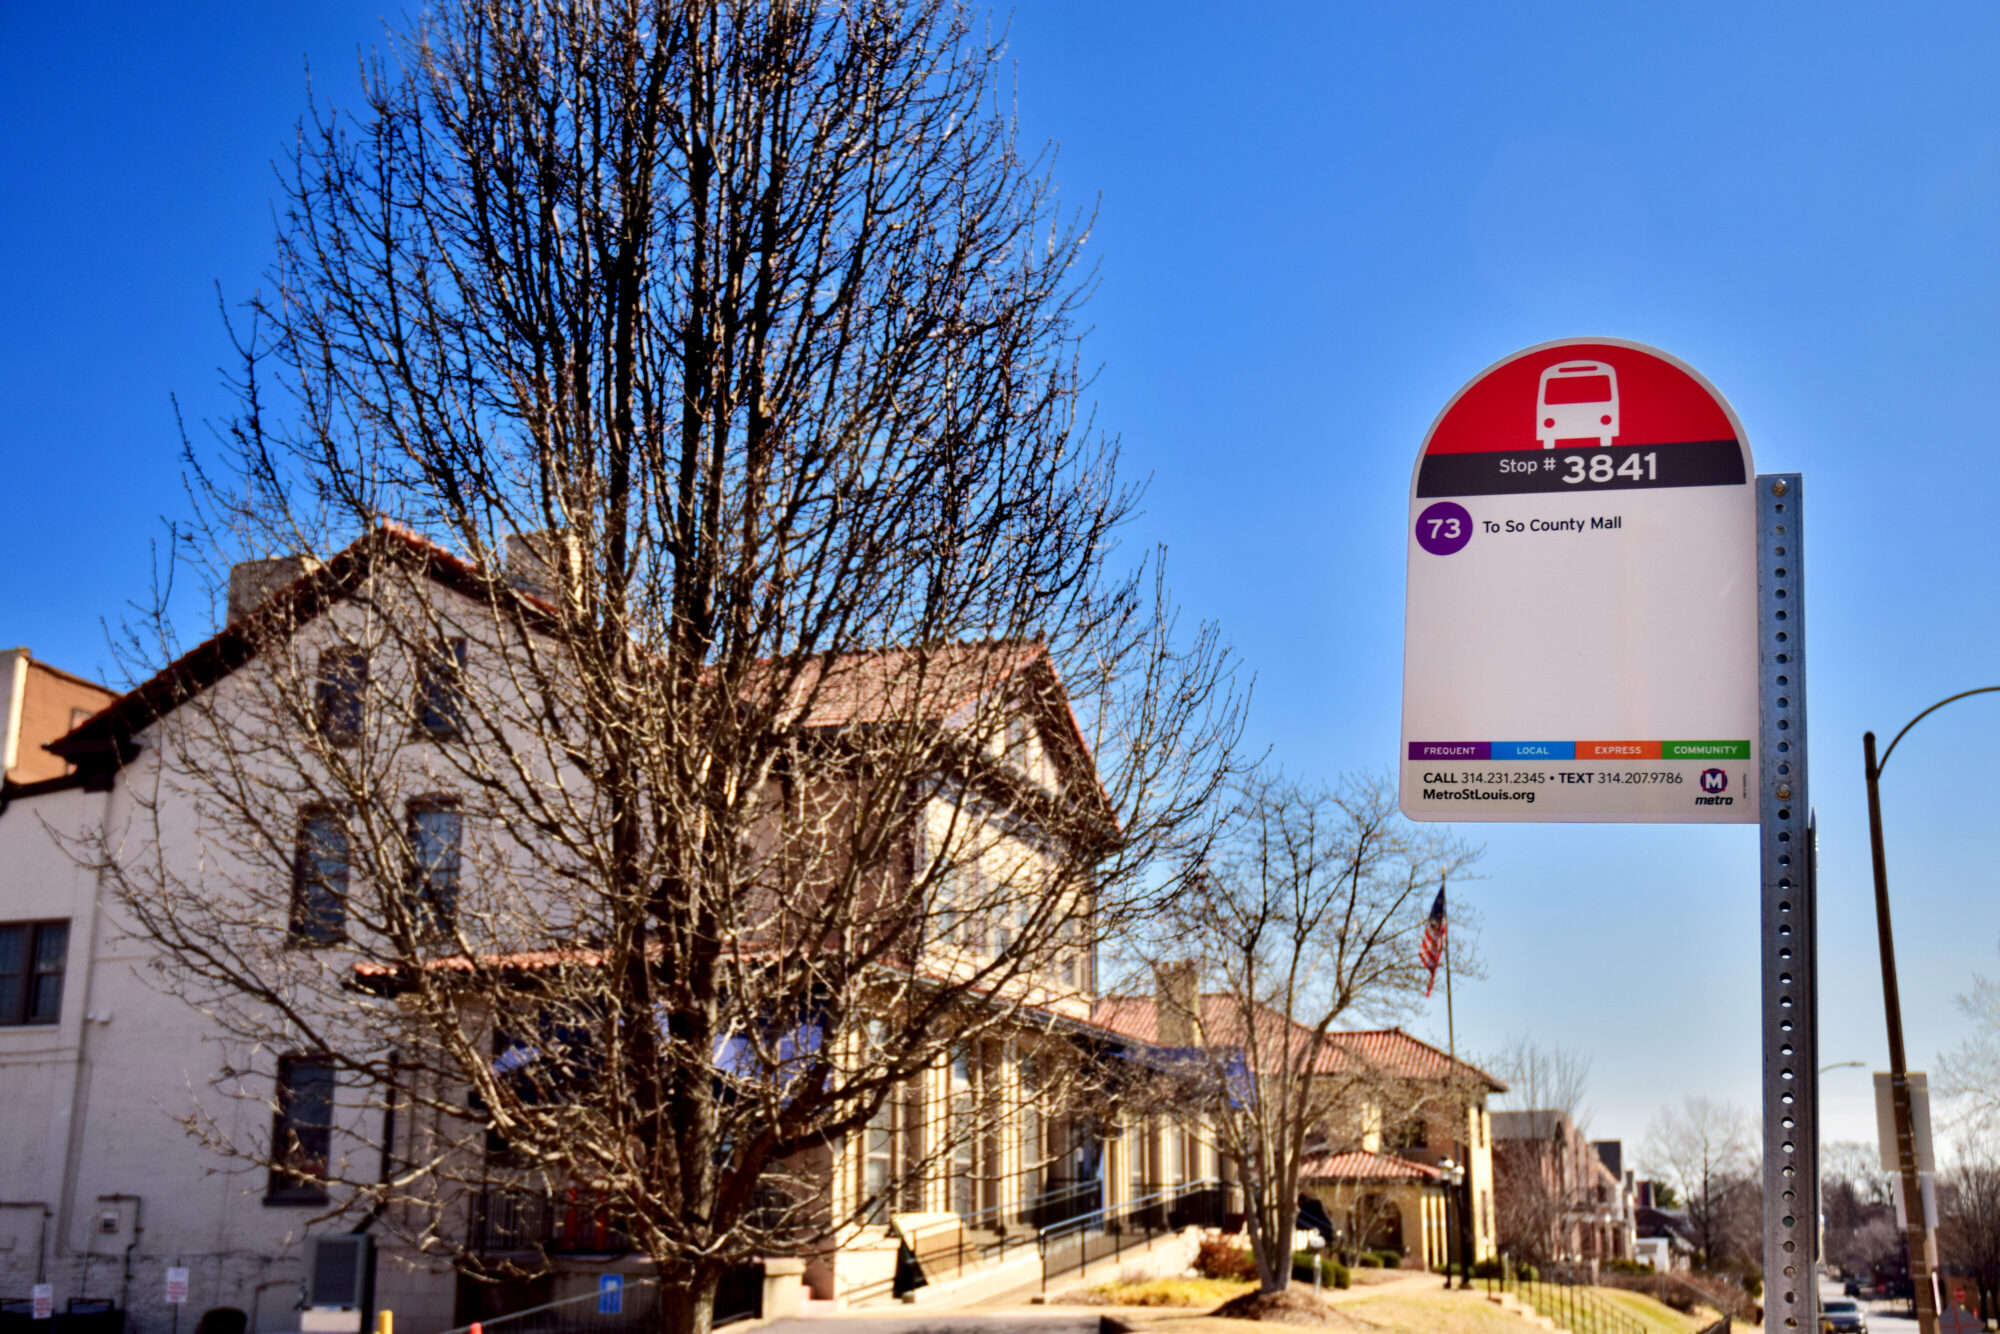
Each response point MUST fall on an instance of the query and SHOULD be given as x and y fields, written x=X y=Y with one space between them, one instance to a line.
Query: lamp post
x=1923 y=1257
x=1456 y=1176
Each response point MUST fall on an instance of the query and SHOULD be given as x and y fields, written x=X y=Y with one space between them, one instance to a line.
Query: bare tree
x=1969 y=1076
x=1969 y=1222
x=1539 y=1184
x=1544 y=1078
x=706 y=708
x=1854 y=1194
x=1542 y=1179
x=1705 y=1148
x=1306 y=911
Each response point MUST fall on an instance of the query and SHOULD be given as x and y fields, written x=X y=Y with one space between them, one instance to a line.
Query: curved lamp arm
x=1883 y=763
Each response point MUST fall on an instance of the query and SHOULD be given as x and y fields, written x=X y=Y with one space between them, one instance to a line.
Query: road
x=1884 y=1317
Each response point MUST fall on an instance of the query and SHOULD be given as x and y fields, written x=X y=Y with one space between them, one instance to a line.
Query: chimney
x=528 y=566
x=252 y=581
x=1179 y=992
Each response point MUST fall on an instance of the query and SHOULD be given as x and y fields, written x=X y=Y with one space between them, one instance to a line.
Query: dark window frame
x=328 y=925
x=439 y=714
x=339 y=694
x=301 y=1149
x=434 y=910
x=29 y=1004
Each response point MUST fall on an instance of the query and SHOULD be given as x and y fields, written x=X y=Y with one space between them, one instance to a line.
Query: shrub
x=1221 y=1258
x=1488 y=1268
x=1368 y=1260
x=1626 y=1267
x=1332 y=1273
x=1527 y=1273
x=1389 y=1259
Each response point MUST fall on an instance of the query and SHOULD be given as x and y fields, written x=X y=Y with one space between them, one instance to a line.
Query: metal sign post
x=1791 y=1039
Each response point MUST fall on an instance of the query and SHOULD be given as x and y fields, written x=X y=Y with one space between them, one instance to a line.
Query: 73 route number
x=1600 y=468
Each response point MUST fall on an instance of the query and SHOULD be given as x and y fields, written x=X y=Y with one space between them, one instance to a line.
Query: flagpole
x=1458 y=1110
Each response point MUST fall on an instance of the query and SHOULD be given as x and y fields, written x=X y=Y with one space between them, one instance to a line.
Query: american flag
x=1431 y=952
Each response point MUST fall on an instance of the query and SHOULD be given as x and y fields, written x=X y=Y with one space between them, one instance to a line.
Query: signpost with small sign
x=42 y=1299
x=177 y=1286
x=610 y=1294
x=1605 y=623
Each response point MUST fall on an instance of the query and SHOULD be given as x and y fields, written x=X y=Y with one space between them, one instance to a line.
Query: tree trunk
x=1274 y=1256
x=687 y=1306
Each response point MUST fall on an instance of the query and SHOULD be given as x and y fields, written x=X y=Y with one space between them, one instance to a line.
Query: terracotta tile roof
x=1388 y=1050
x=1394 y=1051
x=110 y=730
x=944 y=684
x=1361 y=1166
x=852 y=689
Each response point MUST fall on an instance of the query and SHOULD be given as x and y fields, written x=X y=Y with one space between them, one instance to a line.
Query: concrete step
x=978 y=1284
x=1508 y=1302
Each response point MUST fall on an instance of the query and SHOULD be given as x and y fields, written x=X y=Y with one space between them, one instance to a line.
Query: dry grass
x=1195 y=1292
x=1657 y=1315
x=1433 y=1313
x=1387 y=1313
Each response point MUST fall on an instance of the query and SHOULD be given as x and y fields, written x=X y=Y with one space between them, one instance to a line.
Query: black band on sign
x=1586 y=468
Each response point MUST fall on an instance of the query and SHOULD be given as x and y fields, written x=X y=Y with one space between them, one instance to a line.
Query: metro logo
x=1714 y=780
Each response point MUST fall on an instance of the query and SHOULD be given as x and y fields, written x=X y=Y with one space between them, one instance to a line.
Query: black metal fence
x=575 y=1223
x=1571 y=1296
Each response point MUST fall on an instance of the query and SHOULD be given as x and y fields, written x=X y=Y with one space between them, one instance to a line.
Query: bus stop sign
x=1580 y=639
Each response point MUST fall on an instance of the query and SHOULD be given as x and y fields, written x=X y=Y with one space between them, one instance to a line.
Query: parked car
x=1842 y=1317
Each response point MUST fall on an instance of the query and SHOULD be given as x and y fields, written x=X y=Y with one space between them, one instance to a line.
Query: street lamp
x=1455 y=1174
x=1923 y=1259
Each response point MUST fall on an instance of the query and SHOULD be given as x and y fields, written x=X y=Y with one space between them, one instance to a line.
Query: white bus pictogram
x=1578 y=400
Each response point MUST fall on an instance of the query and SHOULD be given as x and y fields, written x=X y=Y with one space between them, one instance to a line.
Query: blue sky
x=1315 y=222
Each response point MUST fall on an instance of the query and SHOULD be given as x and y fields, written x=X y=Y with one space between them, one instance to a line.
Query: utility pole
x=1921 y=1241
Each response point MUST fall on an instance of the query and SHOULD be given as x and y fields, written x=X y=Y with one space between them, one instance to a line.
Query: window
x=301 y=1131
x=441 y=691
x=965 y=1125
x=878 y=1167
x=435 y=829
x=319 y=879
x=32 y=959
x=343 y=680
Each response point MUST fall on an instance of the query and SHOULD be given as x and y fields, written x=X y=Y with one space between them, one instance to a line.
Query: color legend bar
x=1579 y=750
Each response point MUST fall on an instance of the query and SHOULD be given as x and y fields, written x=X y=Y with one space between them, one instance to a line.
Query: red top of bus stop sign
x=1582 y=393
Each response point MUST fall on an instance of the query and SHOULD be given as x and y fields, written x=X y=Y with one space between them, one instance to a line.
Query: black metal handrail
x=1568 y=1297
x=1073 y=1244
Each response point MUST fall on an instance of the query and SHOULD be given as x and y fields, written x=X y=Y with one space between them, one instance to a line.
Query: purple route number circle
x=1444 y=528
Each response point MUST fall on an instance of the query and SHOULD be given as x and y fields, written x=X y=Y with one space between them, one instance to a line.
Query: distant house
x=1559 y=1199
x=1663 y=1239
x=39 y=703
